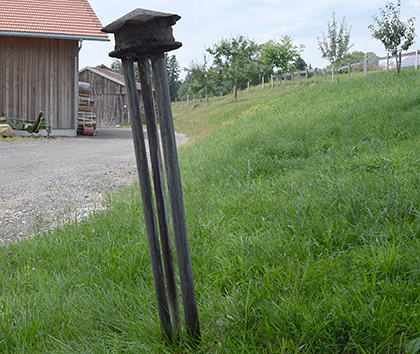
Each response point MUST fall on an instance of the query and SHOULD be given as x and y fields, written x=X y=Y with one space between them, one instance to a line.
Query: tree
x=336 y=44
x=117 y=66
x=358 y=57
x=300 y=64
x=281 y=55
x=234 y=59
x=394 y=34
x=173 y=70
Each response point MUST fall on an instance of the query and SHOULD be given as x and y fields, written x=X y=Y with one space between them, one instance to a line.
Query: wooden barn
x=40 y=42
x=109 y=94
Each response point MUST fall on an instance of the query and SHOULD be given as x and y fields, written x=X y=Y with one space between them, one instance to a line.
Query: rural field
x=303 y=211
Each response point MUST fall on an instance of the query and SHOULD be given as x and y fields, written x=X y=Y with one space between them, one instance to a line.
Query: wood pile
x=86 y=116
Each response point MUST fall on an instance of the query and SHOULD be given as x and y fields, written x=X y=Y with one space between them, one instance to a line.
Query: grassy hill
x=303 y=217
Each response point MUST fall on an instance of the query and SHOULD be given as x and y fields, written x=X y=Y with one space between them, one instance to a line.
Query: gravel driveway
x=47 y=181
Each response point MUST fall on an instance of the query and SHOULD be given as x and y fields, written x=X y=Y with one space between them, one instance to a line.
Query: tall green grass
x=303 y=216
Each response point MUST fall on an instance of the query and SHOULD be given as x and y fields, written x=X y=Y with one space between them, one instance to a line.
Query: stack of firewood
x=86 y=116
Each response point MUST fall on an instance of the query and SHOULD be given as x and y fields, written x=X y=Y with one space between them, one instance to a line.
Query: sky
x=204 y=23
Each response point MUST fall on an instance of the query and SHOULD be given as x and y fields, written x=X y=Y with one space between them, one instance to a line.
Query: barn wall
x=37 y=74
x=110 y=100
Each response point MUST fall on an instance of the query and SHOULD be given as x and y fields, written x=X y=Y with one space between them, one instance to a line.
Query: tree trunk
x=235 y=88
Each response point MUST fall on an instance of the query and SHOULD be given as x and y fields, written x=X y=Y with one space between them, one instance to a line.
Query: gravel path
x=47 y=181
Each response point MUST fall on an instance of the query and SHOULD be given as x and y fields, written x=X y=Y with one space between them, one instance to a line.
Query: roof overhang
x=53 y=36
x=109 y=77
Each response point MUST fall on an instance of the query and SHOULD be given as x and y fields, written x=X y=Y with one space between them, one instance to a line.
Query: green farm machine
x=31 y=126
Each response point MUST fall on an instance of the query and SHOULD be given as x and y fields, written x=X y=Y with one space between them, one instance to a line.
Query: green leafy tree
x=336 y=44
x=394 y=34
x=234 y=59
x=196 y=81
x=173 y=70
x=300 y=64
x=359 y=57
x=117 y=66
x=281 y=55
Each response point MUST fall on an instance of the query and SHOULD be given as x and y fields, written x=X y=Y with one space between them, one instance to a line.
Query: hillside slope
x=305 y=214
x=303 y=218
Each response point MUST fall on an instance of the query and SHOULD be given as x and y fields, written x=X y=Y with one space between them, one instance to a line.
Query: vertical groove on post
x=147 y=196
x=160 y=192
x=175 y=195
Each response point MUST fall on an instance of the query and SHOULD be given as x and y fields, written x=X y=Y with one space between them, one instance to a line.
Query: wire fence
x=409 y=60
x=388 y=63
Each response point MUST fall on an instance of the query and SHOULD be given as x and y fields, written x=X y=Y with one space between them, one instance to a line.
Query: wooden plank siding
x=111 y=107
x=38 y=74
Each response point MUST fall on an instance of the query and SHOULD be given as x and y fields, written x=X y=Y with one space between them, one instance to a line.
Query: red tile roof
x=50 y=18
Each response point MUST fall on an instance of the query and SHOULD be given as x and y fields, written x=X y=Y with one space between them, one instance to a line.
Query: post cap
x=143 y=32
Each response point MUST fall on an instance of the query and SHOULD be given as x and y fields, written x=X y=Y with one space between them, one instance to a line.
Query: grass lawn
x=304 y=226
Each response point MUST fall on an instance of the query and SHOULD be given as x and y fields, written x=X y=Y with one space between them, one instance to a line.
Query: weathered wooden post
x=365 y=67
x=348 y=70
x=144 y=36
x=281 y=85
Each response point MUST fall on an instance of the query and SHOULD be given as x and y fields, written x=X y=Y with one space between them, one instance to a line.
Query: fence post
x=387 y=62
x=349 y=69
x=262 y=81
x=306 y=76
x=148 y=35
x=417 y=58
x=299 y=79
x=324 y=72
x=365 y=62
x=248 y=86
x=315 y=75
x=281 y=85
x=272 y=81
